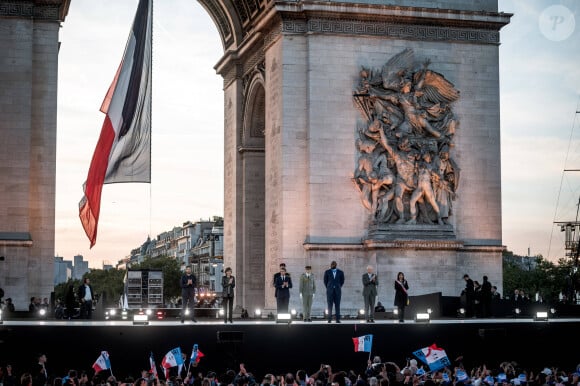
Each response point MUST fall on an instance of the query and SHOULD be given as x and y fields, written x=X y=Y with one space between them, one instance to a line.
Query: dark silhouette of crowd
x=375 y=373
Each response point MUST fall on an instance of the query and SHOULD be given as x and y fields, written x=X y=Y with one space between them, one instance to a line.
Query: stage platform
x=269 y=347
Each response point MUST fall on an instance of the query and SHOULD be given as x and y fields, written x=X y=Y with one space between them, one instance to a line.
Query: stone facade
x=312 y=54
x=28 y=74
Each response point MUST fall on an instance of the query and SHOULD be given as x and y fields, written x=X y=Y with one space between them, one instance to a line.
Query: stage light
x=148 y=311
x=541 y=316
x=160 y=315
x=1 y=320
x=187 y=311
x=293 y=312
x=112 y=312
x=429 y=311
x=221 y=312
x=326 y=312
x=395 y=311
x=461 y=313
x=124 y=314
x=553 y=311
x=422 y=317
x=140 y=319
x=517 y=312
x=284 y=318
x=258 y=313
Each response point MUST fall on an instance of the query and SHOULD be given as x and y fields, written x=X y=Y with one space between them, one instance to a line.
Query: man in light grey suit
x=370 y=283
x=307 y=291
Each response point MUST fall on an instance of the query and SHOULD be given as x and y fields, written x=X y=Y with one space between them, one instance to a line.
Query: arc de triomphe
x=365 y=132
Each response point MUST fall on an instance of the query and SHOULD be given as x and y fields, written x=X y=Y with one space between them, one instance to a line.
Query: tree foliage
x=536 y=275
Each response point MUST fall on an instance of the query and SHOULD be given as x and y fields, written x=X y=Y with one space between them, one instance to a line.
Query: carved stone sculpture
x=404 y=171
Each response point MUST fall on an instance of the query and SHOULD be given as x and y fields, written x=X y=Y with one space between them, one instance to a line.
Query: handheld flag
x=102 y=362
x=123 y=151
x=363 y=343
x=153 y=368
x=171 y=359
x=433 y=356
x=196 y=355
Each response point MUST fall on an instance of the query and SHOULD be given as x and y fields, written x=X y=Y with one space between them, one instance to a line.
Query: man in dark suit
x=86 y=296
x=283 y=284
x=333 y=281
x=188 y=283
x=469 y=296
x=276 y=275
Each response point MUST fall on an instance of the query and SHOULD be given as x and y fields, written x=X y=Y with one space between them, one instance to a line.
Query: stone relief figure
x=404 y=171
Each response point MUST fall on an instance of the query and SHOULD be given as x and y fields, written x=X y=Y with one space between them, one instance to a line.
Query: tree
x=534 y=274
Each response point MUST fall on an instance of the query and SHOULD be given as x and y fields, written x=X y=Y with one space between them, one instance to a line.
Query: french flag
x=171 y=359
x=435 y=357
x=123 y=151
x=196 y=355
x=363 y=343
x=153 y=369
x=102 y=362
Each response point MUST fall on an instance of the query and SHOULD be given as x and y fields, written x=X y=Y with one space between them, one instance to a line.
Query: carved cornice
x=52 y=10
x=391 y=21
x=391 y=30
x=313 y=9
x=414 y=244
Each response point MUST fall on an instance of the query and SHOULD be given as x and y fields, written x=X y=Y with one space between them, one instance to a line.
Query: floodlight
x=284 y=318
x=422 y=317
x=541 y=316
x=140 y=319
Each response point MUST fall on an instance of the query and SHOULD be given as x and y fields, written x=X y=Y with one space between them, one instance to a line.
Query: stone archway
x=308 y=54
x=251 y=267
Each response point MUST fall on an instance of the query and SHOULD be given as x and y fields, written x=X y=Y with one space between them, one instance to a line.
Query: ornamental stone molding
x=54 y=10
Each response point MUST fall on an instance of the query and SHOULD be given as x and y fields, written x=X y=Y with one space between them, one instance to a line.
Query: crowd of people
x=376 y=373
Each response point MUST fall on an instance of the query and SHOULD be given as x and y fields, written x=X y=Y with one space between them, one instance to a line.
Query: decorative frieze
x=391 y=30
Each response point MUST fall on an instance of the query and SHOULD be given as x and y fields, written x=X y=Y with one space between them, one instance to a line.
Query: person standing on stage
x=86 y=296
x=276 y=275
x=188 y=283
x=283 y=285
x=307 y=291
x=370 y=283
x=469 y=296
x=401 y=295
x=228 y=285
x=485 y=297
x=333 y=281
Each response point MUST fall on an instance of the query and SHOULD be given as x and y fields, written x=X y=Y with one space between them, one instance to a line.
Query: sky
x=540 y=130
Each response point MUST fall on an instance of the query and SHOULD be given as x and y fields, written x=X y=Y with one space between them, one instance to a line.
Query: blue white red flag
x=363 y=343
x=171 y=359
x=153 y=368
x=196 y=355
x=102 y=362
x=123 y=151
x=433 y=356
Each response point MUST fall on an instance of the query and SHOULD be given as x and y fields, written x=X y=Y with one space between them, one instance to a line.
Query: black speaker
x=230 y=336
